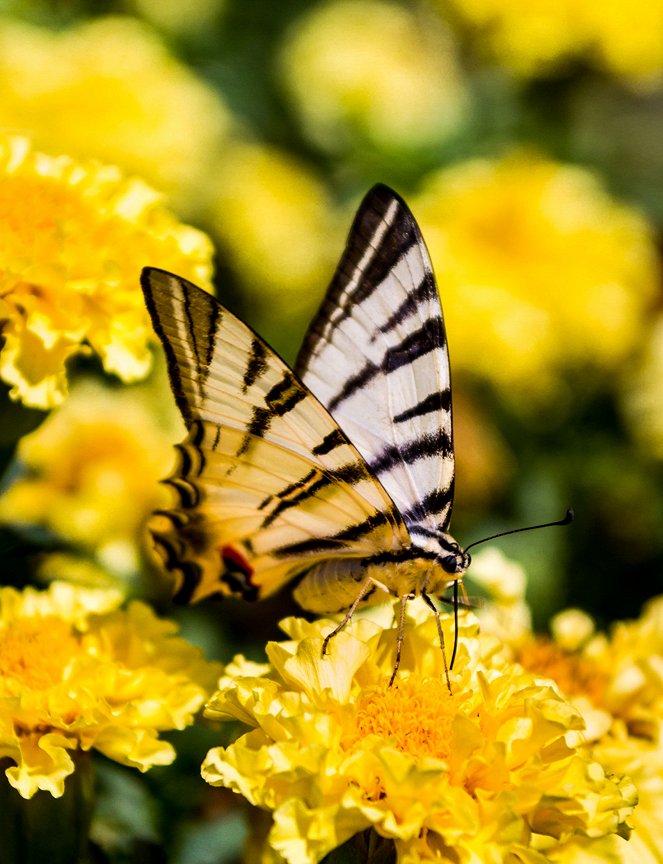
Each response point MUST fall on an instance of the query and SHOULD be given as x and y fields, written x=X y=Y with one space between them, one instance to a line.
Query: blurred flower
x=478 y=773
x=77 y=672
x=74 y=238
x=91 y=471
x=533 y=38
x=109 y=89
x=173 y=16
x=275 y=218
x=484 y=464
x=361 y=71
x=507 y=615
x=78 y=570
x=641 y=393
x=540 y=270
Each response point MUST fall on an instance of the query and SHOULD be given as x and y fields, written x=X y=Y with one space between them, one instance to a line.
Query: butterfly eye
x=457 y=562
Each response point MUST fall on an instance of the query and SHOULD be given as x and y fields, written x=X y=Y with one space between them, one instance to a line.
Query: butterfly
x=339 y=472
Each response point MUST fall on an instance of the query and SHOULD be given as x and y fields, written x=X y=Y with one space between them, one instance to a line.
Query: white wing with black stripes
x=345 y=473
x=376 y=356
x=267 y=483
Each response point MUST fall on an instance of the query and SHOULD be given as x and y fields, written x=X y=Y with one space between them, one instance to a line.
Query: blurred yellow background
x=239 y=137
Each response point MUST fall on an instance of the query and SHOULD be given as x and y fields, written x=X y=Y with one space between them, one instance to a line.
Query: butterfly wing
x=376 y=356
x=267 y=483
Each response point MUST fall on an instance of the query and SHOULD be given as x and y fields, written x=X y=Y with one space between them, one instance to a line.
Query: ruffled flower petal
x=76 y=672
x=75 y=237
x=480 y=773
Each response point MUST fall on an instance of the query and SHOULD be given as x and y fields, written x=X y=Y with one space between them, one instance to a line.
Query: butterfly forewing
x=267 y=482
x=376 y=357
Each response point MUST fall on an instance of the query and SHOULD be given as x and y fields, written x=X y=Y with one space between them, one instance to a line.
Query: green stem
x=46 y=829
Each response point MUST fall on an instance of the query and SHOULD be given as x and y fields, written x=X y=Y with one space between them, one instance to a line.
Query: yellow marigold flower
x=77 y=672
x=615 y=682
x=74 y=239
x=363 y=71
x=91 y=471
x=532 y=38
x=110 y=90
x=475 y=774
x=275 y=218
x=507 y=616
x=526 y=249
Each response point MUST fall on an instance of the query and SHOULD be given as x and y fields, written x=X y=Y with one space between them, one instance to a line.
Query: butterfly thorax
x=427 y=566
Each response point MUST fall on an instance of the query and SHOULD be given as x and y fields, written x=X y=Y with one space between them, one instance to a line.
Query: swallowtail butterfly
x=340 y=472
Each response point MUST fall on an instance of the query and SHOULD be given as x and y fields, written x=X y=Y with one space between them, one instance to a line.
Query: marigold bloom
x=525 y=249
x=109 y=89
x=615 y=682
x=532 y=38
x=91 y=471
x=366 y=73
x=77 y=672
x=276 y=219
x=477 y=774
x=74 y=238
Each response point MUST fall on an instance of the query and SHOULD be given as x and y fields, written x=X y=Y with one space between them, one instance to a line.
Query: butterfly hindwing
x=267 y=483
x=376 y=356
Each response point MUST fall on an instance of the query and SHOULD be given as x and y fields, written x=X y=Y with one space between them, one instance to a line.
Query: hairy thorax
x=411 y=577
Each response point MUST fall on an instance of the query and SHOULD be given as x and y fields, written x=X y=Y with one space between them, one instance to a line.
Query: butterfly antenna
x=455 y=602
x=568 y=518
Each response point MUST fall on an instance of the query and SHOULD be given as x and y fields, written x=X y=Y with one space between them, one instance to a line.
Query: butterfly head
x=448 y=554
x=452 y=558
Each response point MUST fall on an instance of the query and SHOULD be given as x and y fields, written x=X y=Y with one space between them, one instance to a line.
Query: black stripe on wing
x=427 y=338
x=256 y=366
x=383 y=231
x=435 y=444
x=437 y=401
x=423 y=293
x=281 y=399
x=312 y=484
x=436 y=501
x=164 y=295
x=336 y=541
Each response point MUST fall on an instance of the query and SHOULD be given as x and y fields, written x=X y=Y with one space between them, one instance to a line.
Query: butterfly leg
x=368 y=585
x=399 y=638
x=440 y=634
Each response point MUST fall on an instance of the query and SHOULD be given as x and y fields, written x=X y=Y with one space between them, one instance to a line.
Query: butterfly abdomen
x=333 y=586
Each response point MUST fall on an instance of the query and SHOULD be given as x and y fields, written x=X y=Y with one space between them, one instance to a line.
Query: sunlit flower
x=74 y=239
x=616 y=682
x=526 y=249
x=477 y=772
x=76 y=672
x=109 y=89
x=532 y=38
x=275 y=218
x=89 y=474
x=376 y=73
x=507 y=616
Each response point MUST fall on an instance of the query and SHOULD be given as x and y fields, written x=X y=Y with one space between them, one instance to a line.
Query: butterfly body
x=338 y=473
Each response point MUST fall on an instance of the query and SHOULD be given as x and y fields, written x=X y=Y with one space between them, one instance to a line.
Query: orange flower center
x=416 y=715
x=575 y=675
x=34 y=654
